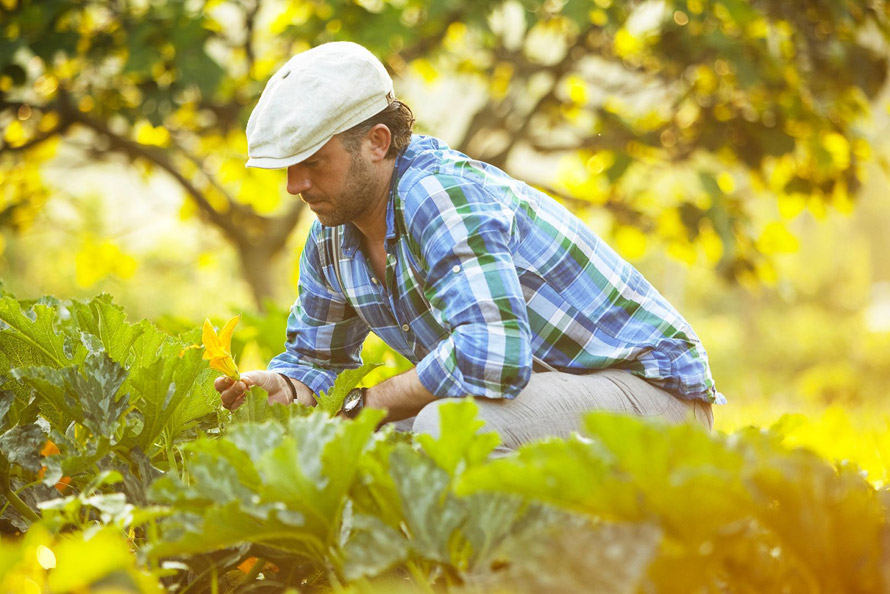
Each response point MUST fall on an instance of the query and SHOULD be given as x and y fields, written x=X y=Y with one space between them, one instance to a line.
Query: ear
x=379 y=138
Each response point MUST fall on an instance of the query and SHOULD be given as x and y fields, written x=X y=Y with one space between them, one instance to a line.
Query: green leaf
x=213 y=474
x=87 y=394
x=554 y=553
x=830 y=522
x=108 y=322
x=231 y=524
x=672 y=465
x=219 y=472
x=137 y=474
x=7 y=399
x=492 y=518
x=21 y=445
x=375 y=492
x=571 y=474
x=30 y=337
x=254 y=439
x=50 y=394
x=285 y=487
x=97 y=390
x=171 y=387
x=256 y=408
x=372 y=547
x=432 y=514
x=332 y=402
x=314 y=467
x=459 y=445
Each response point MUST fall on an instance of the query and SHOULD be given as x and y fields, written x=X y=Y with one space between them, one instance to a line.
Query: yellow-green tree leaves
x=696 y=107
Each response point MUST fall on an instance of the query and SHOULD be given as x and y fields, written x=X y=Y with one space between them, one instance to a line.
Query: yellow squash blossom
x=218 y=348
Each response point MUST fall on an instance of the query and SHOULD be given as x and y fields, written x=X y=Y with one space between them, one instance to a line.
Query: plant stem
x=171 y=455
x=336 y=586
x=18 y=504
x=254 y=571
x=419 y=578
x=214 y=576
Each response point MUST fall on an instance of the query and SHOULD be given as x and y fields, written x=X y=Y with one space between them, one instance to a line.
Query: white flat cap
x=315 y=95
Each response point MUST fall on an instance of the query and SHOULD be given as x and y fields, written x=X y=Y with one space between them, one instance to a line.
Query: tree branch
x=135 y=150
x=60 y=129
x=428 y=42
x=249 y=24
x=615 y=205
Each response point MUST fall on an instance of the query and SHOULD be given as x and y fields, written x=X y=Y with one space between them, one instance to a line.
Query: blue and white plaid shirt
x=483 y=273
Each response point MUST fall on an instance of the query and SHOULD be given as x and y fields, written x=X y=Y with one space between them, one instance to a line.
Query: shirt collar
x=350 y=240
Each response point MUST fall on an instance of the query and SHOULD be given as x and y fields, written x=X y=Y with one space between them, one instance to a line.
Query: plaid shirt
x=483 y=273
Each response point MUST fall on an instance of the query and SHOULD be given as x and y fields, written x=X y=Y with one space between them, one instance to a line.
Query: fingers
x=230 y=392
x=222 y=383
x=232 y=405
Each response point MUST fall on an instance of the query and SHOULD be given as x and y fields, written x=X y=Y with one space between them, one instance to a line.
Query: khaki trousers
x=553 y=404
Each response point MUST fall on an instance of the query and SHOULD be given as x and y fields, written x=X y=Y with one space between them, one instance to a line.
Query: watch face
x=353 y=400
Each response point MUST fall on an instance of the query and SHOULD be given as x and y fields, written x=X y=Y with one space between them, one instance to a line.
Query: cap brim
x=285 y=162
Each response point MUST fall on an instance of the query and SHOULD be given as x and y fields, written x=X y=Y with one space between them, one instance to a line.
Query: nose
x=297 y=181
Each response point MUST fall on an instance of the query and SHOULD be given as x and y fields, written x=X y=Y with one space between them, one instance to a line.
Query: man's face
x=335 y=183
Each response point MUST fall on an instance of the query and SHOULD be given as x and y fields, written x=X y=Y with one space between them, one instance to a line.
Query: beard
x=355 y=198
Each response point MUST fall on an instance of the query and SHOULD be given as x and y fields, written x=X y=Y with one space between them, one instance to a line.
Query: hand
x=233 y=393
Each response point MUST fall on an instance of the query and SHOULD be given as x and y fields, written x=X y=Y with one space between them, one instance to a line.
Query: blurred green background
x=734 y=151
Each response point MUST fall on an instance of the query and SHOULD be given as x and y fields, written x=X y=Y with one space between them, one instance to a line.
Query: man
x=489 y=286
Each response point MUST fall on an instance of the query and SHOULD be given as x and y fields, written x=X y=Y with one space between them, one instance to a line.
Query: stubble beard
x=355 y=198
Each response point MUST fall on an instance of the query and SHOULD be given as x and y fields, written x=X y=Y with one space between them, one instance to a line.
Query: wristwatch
x=354 y=402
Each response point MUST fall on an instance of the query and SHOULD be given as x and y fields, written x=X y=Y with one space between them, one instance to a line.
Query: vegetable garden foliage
x=151 y=487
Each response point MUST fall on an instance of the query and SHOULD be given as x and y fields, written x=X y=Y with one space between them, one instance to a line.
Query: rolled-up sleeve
x=324 y=334
x=464 y=237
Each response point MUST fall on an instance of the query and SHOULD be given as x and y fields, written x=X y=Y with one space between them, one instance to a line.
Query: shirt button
x=375 y=281
x=406 y=327
x=455 y=269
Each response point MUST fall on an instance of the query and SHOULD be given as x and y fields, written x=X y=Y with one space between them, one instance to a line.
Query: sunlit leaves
x=702 y=85
x=76 y=561
x=29 y=336
x=155 y=136
x=22 y=188
x=98 y=259
x=777 y=239
x=740 y=509
x=460 y=445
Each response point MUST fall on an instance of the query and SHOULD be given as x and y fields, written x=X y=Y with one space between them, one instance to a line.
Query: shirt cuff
x=437 y=378
x=443 y=382
x=318 y=380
